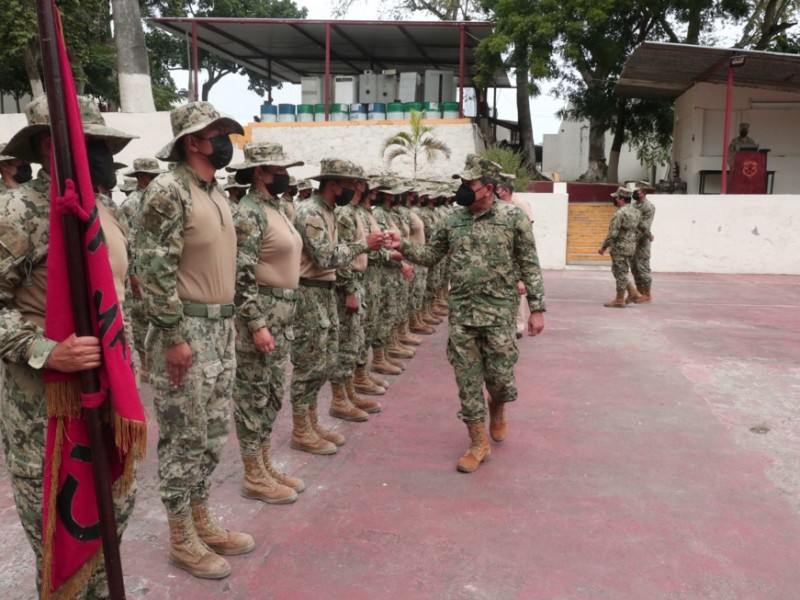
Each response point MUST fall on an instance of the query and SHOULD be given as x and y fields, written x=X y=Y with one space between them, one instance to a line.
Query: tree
x=444 y=10
x=172 y=53
x=512 y=163
x=414 y=144
x=769 y=20
x=133 y=65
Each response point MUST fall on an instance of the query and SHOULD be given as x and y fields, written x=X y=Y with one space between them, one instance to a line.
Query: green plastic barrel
x=450 y=110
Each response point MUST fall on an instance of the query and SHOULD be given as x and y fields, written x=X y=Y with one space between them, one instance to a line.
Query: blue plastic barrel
x=269 y=112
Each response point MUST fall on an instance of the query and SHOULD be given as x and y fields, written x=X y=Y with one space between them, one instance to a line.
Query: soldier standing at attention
x=621 y=240
x=24 y=244
x=187 y=270
x=267 y=275
x=492 y=248
x=236 y=191
x=743 y=141
x=13 y=171
x=640 y=265
x=144 y=170
x=316 y=344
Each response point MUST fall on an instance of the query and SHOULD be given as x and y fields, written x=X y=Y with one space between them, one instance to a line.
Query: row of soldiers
x=224 y=294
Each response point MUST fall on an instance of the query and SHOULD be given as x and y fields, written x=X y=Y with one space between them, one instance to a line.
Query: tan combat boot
x=498 y=426
x=368 y=406
x=396 y=350
x=618 y=302
x=364 y=384
x=479 y=450
x=295 y=483
x=378 y=380
x=647 y=296
x=633 y=295
x=258 y=484
x=221 y=541
x=304 y=437
x=342 y=408
x=381 y=365
x=417 y=325
x=326 y=434
x=429 y=317
x=187 y=552
x=406 y=337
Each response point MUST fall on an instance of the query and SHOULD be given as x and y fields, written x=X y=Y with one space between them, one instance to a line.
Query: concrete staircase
x=587 y=226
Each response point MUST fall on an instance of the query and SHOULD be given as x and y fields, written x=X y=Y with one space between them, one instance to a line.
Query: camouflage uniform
x=259 y=388
x=193 y=419
x=491 y=252
x=135 y=306
x=640 y=264
x=372 y=291
x=316 y=344
x=621 y=240
x=390 y=284
x=349 y=281
x=24 y=239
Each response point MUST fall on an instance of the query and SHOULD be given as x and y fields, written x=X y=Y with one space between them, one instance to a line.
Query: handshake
x=384 y=239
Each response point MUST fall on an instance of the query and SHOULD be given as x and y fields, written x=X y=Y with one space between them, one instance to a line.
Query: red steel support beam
x=461 y=42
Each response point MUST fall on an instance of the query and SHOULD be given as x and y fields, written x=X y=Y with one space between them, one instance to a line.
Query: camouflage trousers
x=482 y=355
x=351 y=334
x=417 y=291
x=640 y=264
x=260 y=377
x=619 y=268
x=138 y=321
x=23 y=423
x=315 y=345
x=373 y=291
x=400 y=304
x=194 y=419
x=385 y=321
x=432 y=282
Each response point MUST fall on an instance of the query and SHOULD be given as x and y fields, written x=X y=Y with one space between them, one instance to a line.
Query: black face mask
x=24 y=174
x=101 y=165
x=279 y=184
x=345 y=197
x=465 y=196
x=222 y=151
x=244 y=176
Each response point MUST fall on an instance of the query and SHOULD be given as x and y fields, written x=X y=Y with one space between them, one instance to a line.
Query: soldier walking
x=621 y=240
x=640 y=265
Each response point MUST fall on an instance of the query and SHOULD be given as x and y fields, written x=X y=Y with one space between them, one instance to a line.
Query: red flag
x=71 y=530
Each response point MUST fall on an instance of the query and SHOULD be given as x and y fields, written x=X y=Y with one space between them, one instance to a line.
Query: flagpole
x=73 y=239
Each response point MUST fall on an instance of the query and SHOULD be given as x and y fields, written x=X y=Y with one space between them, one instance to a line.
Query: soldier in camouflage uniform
x=267 y=276
x=304 y=190
x=236 y=191
x=13 y=171
x=288 y=198
x=128 y=186
x=742 y=141
x=492 y=248
x=144 y=170
x=640 y=265
x=394 y=271
x=24 y=238
x=621 y=240
x=187 y=270
x=316 y=344
x=351 y=302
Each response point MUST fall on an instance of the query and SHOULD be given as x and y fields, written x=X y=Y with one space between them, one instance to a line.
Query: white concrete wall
x=567 y=153
x=699 y=133
x=549 y=227
x=363 y=141
x=726 y=234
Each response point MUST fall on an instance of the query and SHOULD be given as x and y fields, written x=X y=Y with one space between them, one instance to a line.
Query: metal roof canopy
x=661 y=70
x=287 y=49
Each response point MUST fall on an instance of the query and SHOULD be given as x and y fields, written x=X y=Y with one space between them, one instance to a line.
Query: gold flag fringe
x=63 y=398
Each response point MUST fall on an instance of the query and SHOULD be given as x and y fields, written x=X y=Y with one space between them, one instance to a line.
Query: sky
x=231 y=95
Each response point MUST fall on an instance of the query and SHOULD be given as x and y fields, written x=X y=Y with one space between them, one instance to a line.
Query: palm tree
x=414 y=143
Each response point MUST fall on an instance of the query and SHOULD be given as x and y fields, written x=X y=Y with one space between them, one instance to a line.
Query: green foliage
x=415 y=143
x=512 y=163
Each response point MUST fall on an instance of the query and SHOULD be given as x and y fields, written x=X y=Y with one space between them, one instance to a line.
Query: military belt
x=208 y=311
x=328 y=285
x=277 y=292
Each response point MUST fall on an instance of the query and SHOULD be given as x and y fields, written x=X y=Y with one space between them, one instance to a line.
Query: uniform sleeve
x=130 y=208
x=250 y=229
x=317 y=244
x=526 y=261
x=613 y=231
x=646 y=218
x=430 y=253
x=160 y=244
x=346 y=227
x=21 y=341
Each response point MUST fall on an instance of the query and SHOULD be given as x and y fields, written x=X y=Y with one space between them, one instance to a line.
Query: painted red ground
x=630 y=471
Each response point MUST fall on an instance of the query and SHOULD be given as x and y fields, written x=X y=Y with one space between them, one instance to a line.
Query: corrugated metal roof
x=660 y=70
x=293 y=48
